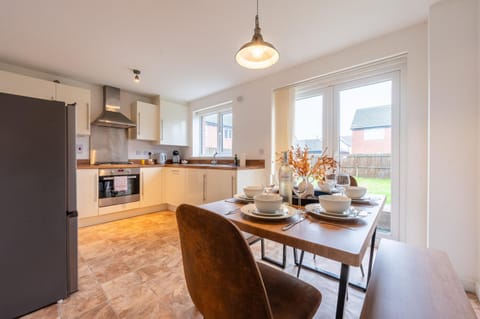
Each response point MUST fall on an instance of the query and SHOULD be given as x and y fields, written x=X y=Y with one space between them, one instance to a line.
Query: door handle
x=88 y=116
x=204 y=187
x=143 y=185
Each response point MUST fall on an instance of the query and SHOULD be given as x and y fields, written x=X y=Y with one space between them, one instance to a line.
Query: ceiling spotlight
x=257 y=54
x=136 y=78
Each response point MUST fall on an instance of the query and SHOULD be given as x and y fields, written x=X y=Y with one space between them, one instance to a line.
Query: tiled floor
x=133 y=269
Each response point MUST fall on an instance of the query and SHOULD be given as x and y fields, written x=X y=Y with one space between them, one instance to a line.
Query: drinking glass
x=343 y=181
x=300 y=187
x=331 y=180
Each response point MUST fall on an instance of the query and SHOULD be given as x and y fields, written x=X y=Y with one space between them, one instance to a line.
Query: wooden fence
x=367 y=165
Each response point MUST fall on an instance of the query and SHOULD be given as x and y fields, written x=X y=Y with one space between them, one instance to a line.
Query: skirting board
x=89 y=221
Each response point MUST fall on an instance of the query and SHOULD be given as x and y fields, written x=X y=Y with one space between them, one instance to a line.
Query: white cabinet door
x=145 y=116
x=17 y=84
x=195 y=188
x=151 y=186
x=220 y=184
x=87 y=192
x=174 y=186
x=81 y=97
x=173 y=123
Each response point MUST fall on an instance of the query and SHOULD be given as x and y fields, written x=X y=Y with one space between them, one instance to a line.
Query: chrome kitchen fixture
x=136 y=78
x=118 y=186
x=111 y=115
x=257 y=54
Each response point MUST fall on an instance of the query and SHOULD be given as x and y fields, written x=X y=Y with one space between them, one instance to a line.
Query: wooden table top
x=315 y=235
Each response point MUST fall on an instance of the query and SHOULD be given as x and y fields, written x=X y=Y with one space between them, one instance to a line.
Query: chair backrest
x=353 y=181
x=222 y=276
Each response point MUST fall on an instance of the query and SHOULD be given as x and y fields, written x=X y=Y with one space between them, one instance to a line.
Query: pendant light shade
x=257 y=54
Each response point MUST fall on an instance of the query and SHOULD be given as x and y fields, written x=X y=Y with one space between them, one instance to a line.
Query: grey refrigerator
x=38 y=217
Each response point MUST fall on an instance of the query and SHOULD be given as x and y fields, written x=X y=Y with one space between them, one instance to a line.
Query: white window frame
x=219 y=110
x=329 y=86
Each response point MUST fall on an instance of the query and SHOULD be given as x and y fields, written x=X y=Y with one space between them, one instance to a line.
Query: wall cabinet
x=174 y=186
x=42 y=89
x=145 y=116
x=87 y=192
x=17 y=84
x=82 y=98
x=173 y=123
x=151 y=186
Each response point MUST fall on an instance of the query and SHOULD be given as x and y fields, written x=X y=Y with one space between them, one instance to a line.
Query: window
x=214 y=130
x=355 y=116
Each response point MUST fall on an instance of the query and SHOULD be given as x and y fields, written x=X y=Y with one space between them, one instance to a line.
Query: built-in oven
x=118 y=186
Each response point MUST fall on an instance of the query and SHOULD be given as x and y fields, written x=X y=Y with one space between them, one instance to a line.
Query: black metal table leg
x=370 y=262
x=272 y=261
x=342 y=290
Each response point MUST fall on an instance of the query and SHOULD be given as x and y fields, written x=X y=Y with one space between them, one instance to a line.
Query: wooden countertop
x=81 y=165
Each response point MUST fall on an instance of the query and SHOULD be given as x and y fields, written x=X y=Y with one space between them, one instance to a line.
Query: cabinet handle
x=143 y=179
x=138 y=130
x=204 y=187
x=233 y=183
x=88 y=116
x=96 y=188
x=161 y=130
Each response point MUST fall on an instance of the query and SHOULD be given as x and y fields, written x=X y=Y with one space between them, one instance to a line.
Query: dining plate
x=252 y=211
x=243 y=197
x=319 y=211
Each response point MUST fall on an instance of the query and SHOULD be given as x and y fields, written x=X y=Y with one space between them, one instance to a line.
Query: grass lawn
x=376 y=186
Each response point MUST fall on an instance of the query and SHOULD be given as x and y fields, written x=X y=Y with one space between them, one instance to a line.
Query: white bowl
x=251 y=191
x=334 y=204
x=355 y=192
x=269 y=203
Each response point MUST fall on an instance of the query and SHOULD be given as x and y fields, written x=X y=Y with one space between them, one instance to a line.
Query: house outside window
x=214 y=130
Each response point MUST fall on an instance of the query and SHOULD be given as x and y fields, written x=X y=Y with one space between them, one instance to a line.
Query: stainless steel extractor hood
x=111 y=115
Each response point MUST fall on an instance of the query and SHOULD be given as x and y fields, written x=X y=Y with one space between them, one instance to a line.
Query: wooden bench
x=411 y=282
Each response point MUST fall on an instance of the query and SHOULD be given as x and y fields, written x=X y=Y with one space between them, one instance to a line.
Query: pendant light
x=257 y=54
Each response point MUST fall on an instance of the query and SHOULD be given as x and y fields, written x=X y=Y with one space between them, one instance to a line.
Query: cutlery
x=233 y=211
x=301 y=219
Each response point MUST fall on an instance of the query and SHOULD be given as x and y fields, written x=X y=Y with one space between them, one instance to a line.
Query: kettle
x=176 y=157
x=162 y=158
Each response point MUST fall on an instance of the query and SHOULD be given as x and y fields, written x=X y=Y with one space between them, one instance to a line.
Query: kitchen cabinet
x=247 y=177
x=220 y=184
x=173 y=123
x=174 y=186
x=208 y=185
x=151 y=186
x=87 y=192
x=27 y=86
x=82 y=98
x=195 y=188
x=145 y=116
x=17 y=84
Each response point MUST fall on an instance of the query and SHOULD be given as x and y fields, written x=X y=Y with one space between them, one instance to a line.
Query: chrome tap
x=214 y=161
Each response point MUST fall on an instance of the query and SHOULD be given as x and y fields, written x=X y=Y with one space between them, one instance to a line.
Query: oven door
x=114 y=190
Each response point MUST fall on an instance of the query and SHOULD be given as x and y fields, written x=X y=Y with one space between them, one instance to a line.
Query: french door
x=357 y=121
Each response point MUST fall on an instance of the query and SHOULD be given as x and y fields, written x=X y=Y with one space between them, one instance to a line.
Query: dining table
x=344 y=242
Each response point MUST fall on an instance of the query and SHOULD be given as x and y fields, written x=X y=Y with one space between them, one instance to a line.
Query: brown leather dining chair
x=225 y=281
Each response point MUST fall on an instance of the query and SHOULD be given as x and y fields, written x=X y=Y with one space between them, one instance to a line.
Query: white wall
x=252 y=116
x=136 y=149
x=453 y=134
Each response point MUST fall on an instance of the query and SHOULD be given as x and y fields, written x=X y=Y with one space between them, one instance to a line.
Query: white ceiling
x=185 y=48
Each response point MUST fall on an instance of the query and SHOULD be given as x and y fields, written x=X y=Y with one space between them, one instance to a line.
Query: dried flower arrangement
x=301 y=163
